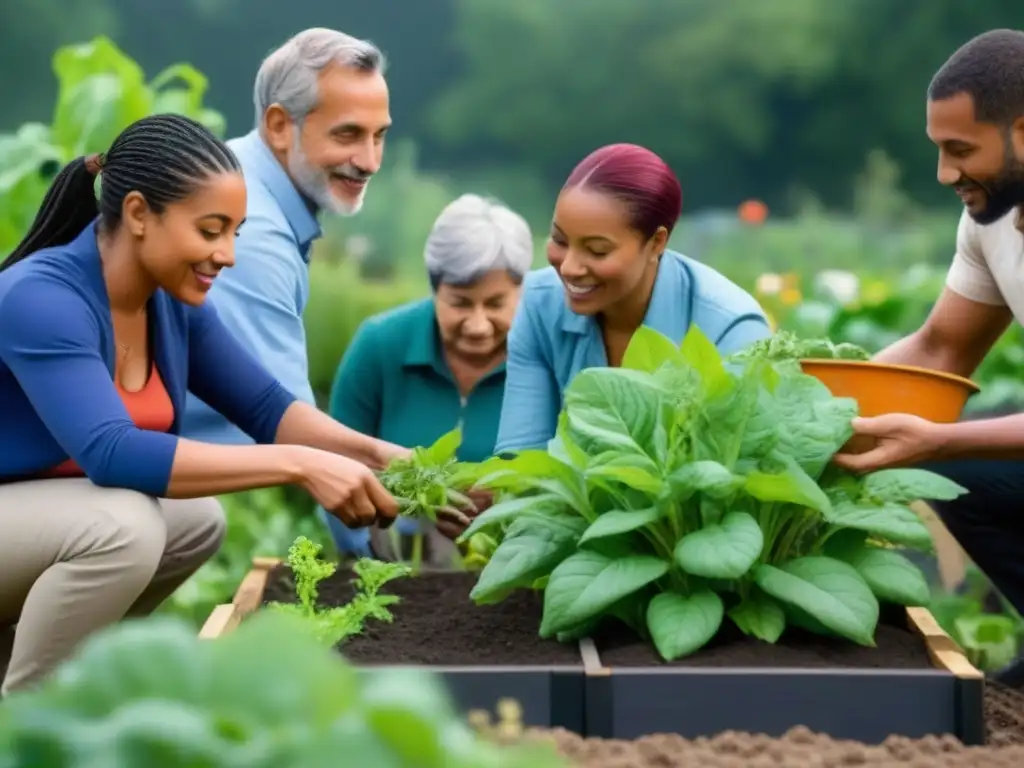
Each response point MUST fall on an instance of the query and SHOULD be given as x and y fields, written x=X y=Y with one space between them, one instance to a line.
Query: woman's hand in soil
x=347 y=489
x=902 y=441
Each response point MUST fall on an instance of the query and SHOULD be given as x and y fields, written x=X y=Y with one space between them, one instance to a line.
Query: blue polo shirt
x=393 y=383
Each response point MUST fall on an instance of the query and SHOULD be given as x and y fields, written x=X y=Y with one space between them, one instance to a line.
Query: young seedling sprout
x=332 y=625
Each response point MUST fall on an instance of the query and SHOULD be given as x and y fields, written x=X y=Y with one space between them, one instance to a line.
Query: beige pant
x=75 y=558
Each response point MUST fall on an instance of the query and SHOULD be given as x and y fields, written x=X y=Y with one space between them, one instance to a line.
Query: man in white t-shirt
x=976 y=118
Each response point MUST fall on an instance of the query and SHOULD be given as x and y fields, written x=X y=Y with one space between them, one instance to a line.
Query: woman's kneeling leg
x=75 y=558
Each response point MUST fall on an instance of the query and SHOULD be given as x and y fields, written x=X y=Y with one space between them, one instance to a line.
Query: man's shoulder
x=244 y=146
x=993 y=241
x=262 y=207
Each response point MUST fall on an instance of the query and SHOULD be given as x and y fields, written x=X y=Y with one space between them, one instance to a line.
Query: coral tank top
x=149 y=408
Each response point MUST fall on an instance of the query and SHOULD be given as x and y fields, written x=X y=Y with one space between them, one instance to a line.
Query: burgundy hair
x=637 y=177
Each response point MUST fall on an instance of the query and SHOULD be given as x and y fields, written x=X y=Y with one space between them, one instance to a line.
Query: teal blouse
x=393 y=383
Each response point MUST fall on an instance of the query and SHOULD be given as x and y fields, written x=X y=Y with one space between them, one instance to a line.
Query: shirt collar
x=424 y=344
x=670 y=308
x=300 y=212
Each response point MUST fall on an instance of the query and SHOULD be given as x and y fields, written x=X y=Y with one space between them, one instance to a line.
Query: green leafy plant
x=101 y=91
x=263 y=522
x=786 y=345
x=332 y=625
x=423 y=483
x=150 y=694
x=982 y=622
x=682 y=490
x=479 y=549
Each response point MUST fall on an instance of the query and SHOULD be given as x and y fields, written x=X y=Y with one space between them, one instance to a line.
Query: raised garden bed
x=916 y=682
x=485 y=654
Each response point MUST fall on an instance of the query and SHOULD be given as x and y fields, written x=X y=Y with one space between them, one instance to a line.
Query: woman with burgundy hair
x=610 y=273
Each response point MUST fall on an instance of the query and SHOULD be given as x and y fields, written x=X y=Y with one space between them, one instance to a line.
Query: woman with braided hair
x=104 y=510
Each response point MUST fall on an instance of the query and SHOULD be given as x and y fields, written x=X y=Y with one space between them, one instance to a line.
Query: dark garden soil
x=897 y=647
x=1004 y=715
x=437 y=623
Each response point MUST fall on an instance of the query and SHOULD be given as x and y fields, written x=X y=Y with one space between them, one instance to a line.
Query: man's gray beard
x=315 y=184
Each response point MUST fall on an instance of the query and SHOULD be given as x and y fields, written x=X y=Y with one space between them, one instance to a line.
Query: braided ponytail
x=162 y=157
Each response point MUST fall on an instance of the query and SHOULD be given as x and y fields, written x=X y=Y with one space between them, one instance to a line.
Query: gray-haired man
x=322 y=111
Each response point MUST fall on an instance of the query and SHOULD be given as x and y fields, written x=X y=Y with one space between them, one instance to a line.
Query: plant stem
x=769 y=521
x=417 y=552
x=674 y=522
x=797 y=530
x=829 y=531
x=789 y=536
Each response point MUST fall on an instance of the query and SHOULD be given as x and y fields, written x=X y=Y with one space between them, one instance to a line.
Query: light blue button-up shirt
x=549 y=344
x=261 y=299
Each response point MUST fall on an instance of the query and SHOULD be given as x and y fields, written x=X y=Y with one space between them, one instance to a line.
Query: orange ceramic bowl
x=881 y=388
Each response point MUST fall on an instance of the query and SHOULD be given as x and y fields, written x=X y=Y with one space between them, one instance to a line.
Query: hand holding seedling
x=451 y=521
x=347 y=489
x=431 y=483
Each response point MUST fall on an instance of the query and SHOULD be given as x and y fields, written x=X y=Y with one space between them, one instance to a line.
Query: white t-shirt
x=989 y=263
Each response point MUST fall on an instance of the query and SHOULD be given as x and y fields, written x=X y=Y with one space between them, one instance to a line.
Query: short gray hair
x=474 y=235
x=288 y=76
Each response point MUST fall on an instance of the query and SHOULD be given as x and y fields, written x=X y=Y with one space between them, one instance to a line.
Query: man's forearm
x=1001 y=438
x=916 y=351
x=305 y=425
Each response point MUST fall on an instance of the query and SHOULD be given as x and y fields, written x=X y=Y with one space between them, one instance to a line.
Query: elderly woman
x=415 y=372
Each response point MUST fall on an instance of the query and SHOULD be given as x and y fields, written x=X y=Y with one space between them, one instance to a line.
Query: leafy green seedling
x=333 y=625
x=423 y=482
x=427 y=484
x=785 y=345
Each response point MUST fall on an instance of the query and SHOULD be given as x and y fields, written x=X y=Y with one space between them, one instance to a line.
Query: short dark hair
x=163 y=157
x=989 y=68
